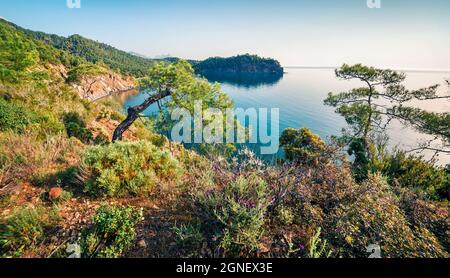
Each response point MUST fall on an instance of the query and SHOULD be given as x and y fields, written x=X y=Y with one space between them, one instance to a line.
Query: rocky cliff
x=101 y=86
x=96 y=87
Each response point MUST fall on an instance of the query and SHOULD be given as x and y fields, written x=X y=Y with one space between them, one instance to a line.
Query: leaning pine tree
x=178 y=82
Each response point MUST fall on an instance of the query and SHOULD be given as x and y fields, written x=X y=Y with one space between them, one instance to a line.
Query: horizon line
x=395 y=69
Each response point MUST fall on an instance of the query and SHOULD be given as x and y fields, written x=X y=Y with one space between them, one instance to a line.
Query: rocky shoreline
x=99 y=87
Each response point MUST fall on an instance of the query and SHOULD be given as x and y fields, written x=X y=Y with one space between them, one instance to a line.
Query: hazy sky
x=401 y=34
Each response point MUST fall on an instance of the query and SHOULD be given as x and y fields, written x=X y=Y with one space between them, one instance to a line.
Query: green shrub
x=128 y=168
x=76 y=127
x=101 y=139
x=25 y=228
x=15 y=117
x=112 y=232
x=285 y=215
x=76 y=74
x=361 y=163
x=189 y=239
x=415 y=173
x=63 y=198
x=235 y=215
x=301 y=145
x=318 y=248
x=200 y=174
x=109 y=114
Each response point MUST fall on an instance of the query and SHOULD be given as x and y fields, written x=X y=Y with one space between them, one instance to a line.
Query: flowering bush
x=232 y=217
x=374 y=217
x=353 y=216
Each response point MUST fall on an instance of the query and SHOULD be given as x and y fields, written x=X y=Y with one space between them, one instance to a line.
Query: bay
x=299 y=96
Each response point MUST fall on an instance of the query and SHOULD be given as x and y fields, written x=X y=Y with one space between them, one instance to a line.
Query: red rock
x=55 y=193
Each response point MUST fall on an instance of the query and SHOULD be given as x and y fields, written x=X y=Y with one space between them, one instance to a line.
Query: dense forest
x=96 y=52
x=137 y=65
x=67 y=191
x=240 y=64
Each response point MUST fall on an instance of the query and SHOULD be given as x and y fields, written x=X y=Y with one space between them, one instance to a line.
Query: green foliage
x=367 y=114
x=25 y=228
x=361 y=162
x=239 y=64
x=163 y=76
x=15 y=117
x=101 y=139
x=189 y=239
x=19 y=117
x=434 y=124
x=17 y=55
x=234 y=211
x=76 y=127
x=302 y=145
x=128 y=168
x=285 y=215
x=112 y=232
x=358 y=106
x=20 y=53
x=415 y=173
x=84 y=70
x=185 y=89
x=235 y=215
x=318 y=247
x=63 y=198
x=96 y=52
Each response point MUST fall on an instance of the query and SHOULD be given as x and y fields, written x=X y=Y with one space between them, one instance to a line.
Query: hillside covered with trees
x=96 y=52
x=67 y=191
x=137 y=65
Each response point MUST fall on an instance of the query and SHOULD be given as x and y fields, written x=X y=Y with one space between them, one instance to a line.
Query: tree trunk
x=368 y=124
x=133 y=114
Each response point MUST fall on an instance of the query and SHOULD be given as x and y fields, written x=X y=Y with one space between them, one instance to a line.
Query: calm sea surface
x=299 y=95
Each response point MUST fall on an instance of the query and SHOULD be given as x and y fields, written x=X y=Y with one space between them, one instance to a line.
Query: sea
x=299 y=95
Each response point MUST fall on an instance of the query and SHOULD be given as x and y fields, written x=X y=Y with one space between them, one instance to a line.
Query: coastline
x=113 y=93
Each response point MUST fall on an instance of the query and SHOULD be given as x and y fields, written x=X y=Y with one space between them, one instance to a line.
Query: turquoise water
x=299 y=95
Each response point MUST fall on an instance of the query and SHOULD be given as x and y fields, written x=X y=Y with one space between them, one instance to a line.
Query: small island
x=247 y=64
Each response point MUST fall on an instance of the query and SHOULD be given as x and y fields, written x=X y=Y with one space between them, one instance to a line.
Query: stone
x=142 y=244
x=263 y=248
x=55 y=193
x=74 y=251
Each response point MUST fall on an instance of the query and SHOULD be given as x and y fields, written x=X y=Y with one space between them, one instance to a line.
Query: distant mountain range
x=135 y=64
